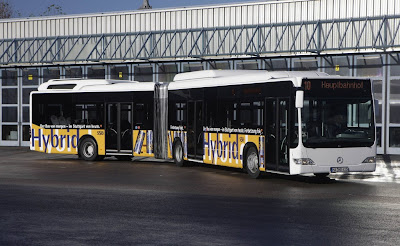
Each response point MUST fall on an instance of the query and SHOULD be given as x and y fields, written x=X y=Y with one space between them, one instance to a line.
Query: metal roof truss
x=354 y=34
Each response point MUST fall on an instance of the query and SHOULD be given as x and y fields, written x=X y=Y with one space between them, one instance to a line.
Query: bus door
x=276 y=134
x=195 y=129
x=119 y=128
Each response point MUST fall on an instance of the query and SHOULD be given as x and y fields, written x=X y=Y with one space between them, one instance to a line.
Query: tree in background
x=6 y=10
x=53 y=9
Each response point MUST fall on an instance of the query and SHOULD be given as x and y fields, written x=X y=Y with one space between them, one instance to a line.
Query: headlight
x=371 y=159
x=303 y=161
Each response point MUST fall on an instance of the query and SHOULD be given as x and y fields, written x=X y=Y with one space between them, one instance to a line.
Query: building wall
x=383 y=66
x=197 y=17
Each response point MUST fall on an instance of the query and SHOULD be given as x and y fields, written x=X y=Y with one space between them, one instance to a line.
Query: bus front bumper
x=362 y=167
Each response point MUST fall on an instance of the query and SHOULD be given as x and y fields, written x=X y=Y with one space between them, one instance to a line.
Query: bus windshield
x=338 y=119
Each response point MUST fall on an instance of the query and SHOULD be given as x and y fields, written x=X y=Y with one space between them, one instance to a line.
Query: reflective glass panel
x=9 y=96
x=9 y=133
x=25 y=94
x=338 y=66
x=394 y=137
x=9 y=77
x=50 y=73
x=30 y=76
x=247 y=65
x=394 y=112
x=96 y=73
x=369 y=66
x=305 y=65
x=73 y=72
x=10 y=114
x=119 y=72
x=167 y=72
x=143 y=73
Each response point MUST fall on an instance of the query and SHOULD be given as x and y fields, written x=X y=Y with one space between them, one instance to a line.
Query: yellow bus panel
x=64 y=141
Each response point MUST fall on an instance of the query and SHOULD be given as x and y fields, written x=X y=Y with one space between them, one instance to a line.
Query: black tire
x=123 y=157
x=252 y=163
x=88 y=149
x=177 y=153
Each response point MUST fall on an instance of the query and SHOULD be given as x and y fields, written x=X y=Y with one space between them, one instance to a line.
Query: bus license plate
x=339 y=169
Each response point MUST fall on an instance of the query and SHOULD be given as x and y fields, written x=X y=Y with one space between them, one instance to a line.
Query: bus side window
x=211 y=117
x=245 y=114
x=180 y=117
x=139 y=114
x=251 y=114
x=258 y=114
x=88 y=114
x=227 y=114
x=59 y=114
x=142 y=116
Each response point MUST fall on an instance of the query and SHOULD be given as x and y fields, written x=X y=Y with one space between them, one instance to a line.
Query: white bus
x=284 y=122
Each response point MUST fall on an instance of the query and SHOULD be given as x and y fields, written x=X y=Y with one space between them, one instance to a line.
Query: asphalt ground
x=60 y=200
x=387 y=170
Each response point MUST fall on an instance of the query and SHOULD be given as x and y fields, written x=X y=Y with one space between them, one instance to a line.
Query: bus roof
x=210 y=78
x=197 y=79
x=94 y=85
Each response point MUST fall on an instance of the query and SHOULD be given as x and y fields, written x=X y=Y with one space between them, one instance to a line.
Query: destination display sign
x=336 y=87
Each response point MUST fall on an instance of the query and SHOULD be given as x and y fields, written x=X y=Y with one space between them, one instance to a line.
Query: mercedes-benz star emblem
x=340 y=160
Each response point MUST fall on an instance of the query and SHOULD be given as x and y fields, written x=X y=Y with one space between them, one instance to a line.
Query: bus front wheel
x=252 y=163
x=88 y=149
x=178 y=154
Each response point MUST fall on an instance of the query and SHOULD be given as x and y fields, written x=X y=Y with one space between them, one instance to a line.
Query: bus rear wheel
x=178 y=154
x=252 y=163
x=88 y=149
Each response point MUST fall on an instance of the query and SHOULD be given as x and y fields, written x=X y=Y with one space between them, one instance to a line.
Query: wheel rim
x=178 y=153
x=252 y=162
x=88 y=150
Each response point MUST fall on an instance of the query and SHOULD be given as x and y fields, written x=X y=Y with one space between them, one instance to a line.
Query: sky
x=27 y=8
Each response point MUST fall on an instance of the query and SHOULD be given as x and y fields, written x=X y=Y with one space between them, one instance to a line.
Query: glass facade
x=143 y=73
x=276 y=64
x=30 y=76
x=213 y=65
x=73 y=72
x=9 y=77
x=9 y=132
x=96 y=72
x=338 y=65
x=167 y=72
x=191 y=67
x=305 y=64
x=51 y=73
x=119 y=72
x=248 y=65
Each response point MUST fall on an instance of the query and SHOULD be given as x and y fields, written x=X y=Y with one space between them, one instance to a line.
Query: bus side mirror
x=299 y=99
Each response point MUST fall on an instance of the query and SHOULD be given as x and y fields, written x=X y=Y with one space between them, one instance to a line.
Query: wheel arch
x=85 y=137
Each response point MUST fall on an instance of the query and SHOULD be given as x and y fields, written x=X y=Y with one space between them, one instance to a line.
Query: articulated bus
x=259 y=121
